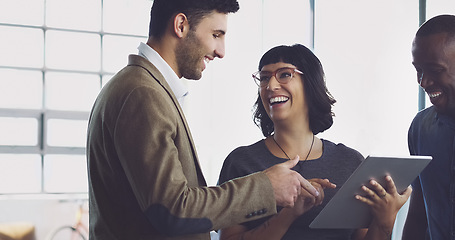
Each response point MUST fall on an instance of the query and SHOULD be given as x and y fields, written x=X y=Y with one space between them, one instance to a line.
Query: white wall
x=367 y=57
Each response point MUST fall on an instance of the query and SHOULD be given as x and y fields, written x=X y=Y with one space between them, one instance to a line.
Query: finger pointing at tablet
x=287 y=183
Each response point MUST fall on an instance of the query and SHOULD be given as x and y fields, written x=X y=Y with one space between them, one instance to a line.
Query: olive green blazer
x=145 y=181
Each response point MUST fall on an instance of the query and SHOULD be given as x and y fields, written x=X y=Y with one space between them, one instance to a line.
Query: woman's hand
x=306 y=201
x=320 y=185
x=384 y=202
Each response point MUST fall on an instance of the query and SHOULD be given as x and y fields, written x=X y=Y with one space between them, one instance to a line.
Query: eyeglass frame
x=258 y=81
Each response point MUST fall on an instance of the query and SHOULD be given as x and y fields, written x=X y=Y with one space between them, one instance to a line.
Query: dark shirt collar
x=445 y=119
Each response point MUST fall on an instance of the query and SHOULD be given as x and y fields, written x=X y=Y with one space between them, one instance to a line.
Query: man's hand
x=287 y=184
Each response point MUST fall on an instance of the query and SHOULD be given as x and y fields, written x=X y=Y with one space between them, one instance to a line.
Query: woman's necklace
x=311 y=147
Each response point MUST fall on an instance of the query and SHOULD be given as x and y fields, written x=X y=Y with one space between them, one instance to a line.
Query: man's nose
x=424 y=80
x=220 y=51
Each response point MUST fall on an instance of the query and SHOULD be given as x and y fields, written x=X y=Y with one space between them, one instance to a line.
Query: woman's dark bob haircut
x=317 y=97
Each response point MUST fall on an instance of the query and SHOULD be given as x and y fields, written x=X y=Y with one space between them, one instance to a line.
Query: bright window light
x=65 y=173
x=16 y=49
x=20 y=173
x=28 y=12
x=69 y=14
x=21 y=89
x=126 y=16
x=18 y=131
x=71 y=91
x=66 y=133
x=73 y=51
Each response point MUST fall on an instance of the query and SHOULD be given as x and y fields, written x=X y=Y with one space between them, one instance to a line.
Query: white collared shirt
x=176 y=84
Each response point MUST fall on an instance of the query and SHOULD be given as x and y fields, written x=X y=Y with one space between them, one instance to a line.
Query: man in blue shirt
x=432 y=207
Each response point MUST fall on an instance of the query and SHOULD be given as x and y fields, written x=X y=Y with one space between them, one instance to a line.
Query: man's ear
x=181 y=25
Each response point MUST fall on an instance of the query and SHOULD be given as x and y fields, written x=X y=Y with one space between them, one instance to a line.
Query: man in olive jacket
x=145 y=180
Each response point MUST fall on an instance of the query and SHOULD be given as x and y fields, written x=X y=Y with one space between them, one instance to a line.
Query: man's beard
x=189 y=54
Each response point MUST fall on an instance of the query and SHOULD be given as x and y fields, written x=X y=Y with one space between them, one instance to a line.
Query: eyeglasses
x=282 y=75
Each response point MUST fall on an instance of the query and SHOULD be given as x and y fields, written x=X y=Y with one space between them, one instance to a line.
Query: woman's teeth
x=278 y=99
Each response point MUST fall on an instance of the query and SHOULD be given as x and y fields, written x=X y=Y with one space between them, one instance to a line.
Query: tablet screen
x=344 y=211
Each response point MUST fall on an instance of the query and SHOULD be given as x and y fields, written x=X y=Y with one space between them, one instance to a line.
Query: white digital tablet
x=344 y=211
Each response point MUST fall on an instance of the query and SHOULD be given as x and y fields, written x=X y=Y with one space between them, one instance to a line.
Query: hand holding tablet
x=345 y=211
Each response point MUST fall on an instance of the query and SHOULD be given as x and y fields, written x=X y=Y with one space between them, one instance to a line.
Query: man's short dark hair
x=317 y=96
x=438 y=24
x=164 y=10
